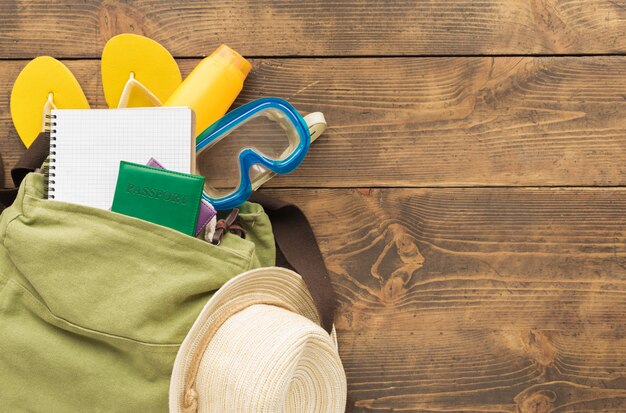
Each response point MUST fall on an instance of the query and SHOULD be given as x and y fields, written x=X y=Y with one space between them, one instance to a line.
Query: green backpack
x=94 y=305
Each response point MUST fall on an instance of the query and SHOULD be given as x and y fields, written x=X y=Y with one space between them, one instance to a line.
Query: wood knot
x=400 y=259
x=539 y=402
x=117 y=17
x=539 y=348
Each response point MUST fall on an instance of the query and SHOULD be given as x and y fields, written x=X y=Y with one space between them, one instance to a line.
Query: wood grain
x=67 y=28
x=418 y=122
x=451 y=298
x=490 y=300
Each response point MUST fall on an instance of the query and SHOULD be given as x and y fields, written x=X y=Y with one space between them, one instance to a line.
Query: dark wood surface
x=469 y=196
x=411 y=122
x=477 y=299
x=317 y=28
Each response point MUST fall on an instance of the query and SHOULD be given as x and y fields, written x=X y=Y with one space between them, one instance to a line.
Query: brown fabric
x=296 y=241
x=32 y=159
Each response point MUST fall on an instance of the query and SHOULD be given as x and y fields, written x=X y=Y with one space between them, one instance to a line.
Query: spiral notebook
x=87 y=145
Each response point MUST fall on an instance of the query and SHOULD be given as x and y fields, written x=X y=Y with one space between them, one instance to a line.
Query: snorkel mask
x=247 y=146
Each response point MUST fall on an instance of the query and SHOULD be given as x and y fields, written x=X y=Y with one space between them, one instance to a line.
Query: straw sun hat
x=257 y=346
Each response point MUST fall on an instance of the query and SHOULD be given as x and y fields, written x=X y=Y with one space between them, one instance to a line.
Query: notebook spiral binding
x=50 y=165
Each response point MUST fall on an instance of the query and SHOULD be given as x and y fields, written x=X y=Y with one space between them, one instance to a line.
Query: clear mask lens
x=268 y=133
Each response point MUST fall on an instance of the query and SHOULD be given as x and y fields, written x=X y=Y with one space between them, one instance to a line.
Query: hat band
x=190 y=400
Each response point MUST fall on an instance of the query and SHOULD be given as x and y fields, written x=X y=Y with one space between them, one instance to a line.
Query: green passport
x=167 y=198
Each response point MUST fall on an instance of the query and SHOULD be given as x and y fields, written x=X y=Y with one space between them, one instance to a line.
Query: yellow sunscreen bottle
x=212 y=87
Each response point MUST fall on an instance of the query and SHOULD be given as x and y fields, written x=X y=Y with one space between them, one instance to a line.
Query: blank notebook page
x=86 y=147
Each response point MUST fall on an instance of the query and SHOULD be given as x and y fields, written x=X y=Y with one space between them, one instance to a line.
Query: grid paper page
x=91 y=143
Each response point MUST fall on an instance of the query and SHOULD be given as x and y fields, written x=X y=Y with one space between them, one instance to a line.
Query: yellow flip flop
x=137 y=72
x=43 y=84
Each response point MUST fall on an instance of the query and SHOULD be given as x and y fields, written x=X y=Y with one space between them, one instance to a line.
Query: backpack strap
x=296 y=241
x=32 y=159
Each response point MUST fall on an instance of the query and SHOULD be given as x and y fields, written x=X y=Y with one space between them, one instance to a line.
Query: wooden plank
x=490 y=300
x=67 y=28
x=419 y=122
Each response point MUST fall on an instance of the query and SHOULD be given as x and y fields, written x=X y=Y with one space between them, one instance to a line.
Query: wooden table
x=469 y=196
